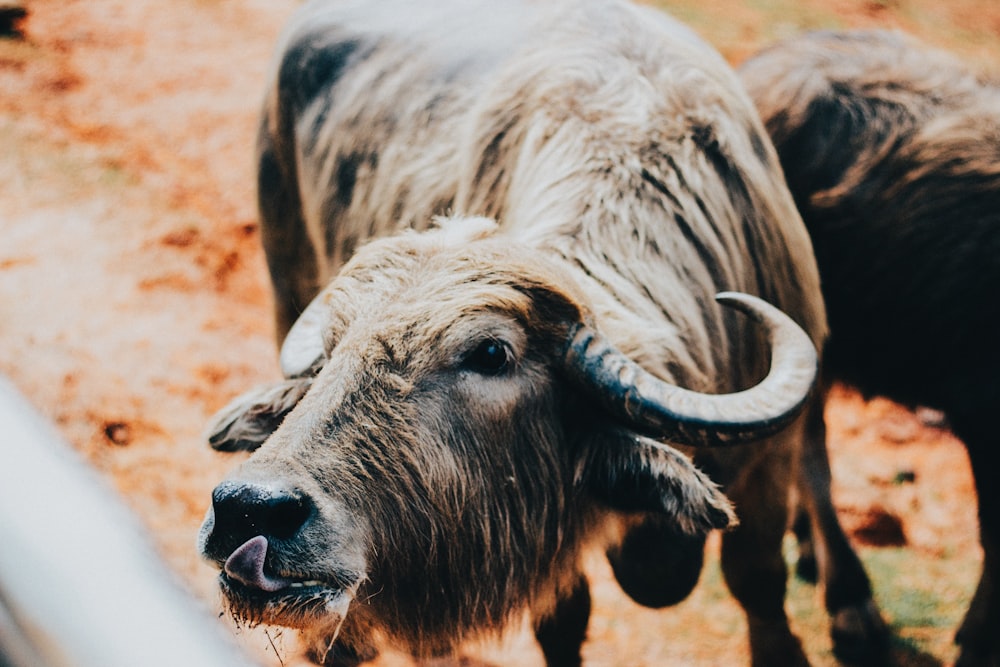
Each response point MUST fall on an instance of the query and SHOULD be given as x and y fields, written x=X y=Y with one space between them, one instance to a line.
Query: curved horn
x=686 y=417
x=303 y=345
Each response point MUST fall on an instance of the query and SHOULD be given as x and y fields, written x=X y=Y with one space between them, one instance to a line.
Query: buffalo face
x=452 y=432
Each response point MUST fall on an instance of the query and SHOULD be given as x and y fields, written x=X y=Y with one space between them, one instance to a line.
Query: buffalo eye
x=490 y=357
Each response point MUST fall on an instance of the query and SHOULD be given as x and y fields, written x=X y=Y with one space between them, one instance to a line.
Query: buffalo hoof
x=977 y=657
x=974 y=652
x=860 y=636
x=977 y=637
x=772 y=644
x=806 y=566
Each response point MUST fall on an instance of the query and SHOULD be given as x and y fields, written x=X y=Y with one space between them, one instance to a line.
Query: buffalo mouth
x=302 y=604
x=256 y=595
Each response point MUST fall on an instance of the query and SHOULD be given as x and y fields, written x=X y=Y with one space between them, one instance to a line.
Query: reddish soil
x=134 y=302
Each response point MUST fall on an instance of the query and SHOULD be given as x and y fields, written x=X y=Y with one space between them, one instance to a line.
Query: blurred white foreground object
x=80 y=584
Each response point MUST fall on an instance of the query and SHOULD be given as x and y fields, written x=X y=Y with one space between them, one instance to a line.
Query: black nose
x=243 y=511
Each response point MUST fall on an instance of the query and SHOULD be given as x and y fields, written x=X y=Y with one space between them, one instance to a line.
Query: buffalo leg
x=977 y=636
x=806 y=567
x=562 y=634
x=859 y=634
x=752 y=562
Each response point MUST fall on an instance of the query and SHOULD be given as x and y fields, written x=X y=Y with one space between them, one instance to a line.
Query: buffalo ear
x=632 y=473
x=249 y=419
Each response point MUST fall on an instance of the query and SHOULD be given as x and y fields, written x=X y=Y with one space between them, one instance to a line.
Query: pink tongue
x=246 y=565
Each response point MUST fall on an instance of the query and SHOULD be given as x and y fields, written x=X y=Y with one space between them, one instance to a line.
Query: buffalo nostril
x=287 y=515
x=243 y=511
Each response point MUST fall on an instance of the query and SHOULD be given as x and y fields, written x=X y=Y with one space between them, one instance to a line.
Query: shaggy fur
x=441 y=451
x=892 y=151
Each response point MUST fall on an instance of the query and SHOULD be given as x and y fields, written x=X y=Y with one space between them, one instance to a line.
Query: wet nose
x=245 y=510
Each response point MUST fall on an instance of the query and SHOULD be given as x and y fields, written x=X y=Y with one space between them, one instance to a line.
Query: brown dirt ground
x=134 y=303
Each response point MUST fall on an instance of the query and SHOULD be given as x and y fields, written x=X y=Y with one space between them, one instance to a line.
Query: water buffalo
x=892 y=151
x=495 y=232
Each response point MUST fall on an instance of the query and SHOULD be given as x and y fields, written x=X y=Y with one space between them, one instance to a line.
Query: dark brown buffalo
x=892 y=151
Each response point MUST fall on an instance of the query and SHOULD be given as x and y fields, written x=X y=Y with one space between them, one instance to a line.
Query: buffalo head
x=453 y=430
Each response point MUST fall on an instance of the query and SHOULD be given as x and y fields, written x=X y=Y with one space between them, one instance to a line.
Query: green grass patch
x=923 y=598
x=921 y=591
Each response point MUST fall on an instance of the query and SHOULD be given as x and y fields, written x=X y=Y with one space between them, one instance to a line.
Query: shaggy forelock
x=456 y=276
